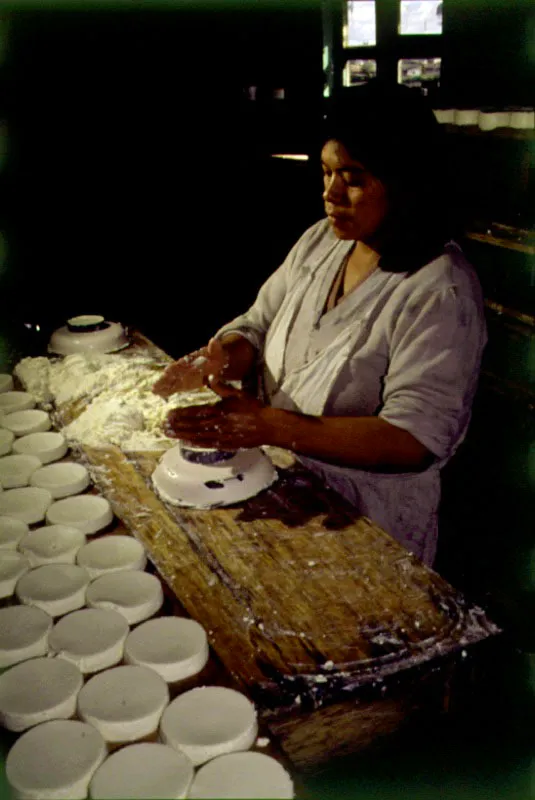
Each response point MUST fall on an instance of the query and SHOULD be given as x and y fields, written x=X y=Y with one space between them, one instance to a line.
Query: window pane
x=419 y=72
x=358 y=71
x=360 y=28
x=421 y=16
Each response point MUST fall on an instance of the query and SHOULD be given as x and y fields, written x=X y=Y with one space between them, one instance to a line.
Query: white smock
x=405 y=347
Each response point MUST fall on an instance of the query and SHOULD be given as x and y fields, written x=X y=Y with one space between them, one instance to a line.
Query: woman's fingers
x=191 y=371
x=177 y=379
x=221 y=388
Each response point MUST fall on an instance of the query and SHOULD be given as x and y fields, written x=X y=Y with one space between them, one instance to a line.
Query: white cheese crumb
x=262 y=741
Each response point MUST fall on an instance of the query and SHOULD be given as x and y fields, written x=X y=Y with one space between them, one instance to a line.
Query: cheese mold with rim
x=207 y=479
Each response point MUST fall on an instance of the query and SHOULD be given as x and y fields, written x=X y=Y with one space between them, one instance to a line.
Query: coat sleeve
x=435 y=355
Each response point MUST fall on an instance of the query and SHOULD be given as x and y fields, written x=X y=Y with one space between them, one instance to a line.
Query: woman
x=368 y=339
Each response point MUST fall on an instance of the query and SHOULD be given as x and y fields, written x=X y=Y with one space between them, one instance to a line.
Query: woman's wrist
x=281 y=427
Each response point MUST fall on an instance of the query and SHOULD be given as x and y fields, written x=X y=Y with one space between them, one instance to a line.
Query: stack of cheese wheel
x=128 y=740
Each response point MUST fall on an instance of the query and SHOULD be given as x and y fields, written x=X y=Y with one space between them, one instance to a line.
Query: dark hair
x=393 y=132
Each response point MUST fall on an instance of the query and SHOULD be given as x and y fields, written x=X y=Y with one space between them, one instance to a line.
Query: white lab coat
x=404 y=346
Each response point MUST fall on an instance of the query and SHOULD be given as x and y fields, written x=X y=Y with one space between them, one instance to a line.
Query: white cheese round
x=242 y=775
x=112 y=554
x=6 y=383
x=55 y=588
x=55 y=761
x=209 y=721
x=12 y=531
x=144 y=770
x=62 y=480
x=27 y=504
x=134 y=594
x=17 y=470
x=15 y=401
x=37 y=691
x=13 y=566
x=174 y=647
x=23 y=634
x=6 y=441
x=49 y=446
x=92 y=638
x=52 y=544
x=89 y=513
x=22 y=423
x=124 y=703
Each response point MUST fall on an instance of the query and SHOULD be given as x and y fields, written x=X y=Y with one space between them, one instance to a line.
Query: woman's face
x=355 y=200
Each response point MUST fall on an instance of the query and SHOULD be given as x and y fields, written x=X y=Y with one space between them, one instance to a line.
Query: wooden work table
x=337 y=633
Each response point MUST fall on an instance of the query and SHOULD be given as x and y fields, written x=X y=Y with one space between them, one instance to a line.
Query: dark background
x=139 y=183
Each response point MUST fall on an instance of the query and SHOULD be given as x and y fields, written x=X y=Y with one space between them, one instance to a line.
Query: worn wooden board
x=309 y=607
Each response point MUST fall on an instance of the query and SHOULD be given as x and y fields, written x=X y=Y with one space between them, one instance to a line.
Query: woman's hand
x=192 y=371
x=239 y=420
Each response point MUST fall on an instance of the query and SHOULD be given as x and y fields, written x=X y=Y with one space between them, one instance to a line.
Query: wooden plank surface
x=306 y=604
x=290 y=580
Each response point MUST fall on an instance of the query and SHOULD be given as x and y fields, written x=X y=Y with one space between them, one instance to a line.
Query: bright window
x=360 y=28
x=419 y=72
x=359 y=70
x=420 y=16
